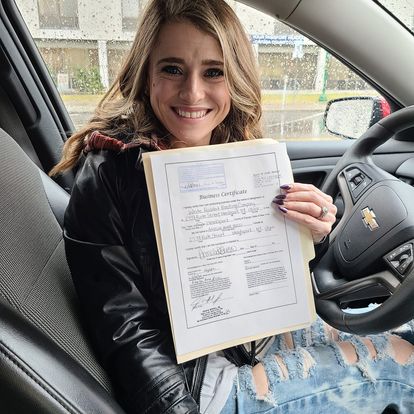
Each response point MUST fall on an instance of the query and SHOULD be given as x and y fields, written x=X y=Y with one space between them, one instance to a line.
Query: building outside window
x=58 y=14
x=130 y=11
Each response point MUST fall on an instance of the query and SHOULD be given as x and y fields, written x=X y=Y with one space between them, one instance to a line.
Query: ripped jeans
x=321 y=370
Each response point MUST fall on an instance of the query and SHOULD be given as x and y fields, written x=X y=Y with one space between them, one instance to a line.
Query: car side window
x=298 y=78
x=83 y=47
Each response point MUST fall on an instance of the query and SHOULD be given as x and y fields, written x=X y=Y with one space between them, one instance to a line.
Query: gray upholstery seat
x=46 y=364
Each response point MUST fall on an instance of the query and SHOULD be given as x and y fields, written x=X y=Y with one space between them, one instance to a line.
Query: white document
x=234 y=267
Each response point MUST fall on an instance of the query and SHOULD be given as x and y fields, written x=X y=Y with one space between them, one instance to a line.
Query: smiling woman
x=188 y=92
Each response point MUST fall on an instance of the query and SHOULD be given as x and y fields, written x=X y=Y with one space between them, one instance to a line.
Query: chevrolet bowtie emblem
x=369 y=218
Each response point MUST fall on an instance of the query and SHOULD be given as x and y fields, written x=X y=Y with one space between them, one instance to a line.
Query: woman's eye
x=214 y=73
x=172 y=70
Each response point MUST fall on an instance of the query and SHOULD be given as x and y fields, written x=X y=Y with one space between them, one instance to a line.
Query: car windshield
x=403 y=10
x=297 y=77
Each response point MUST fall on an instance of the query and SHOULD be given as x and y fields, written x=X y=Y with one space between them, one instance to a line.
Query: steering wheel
x=370 y=253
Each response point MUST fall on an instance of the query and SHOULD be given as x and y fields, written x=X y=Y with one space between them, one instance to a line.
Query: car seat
x=46 y=364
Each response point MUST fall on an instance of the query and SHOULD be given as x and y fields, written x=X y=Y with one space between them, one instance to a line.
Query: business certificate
x=234 y=268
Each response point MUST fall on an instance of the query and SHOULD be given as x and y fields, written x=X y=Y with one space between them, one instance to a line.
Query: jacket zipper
x=198 y=378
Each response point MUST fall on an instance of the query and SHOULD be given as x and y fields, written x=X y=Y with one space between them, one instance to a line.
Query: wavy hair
x=125 y=110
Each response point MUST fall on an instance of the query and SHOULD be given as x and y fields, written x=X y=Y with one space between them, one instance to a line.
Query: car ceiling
x=363 y=35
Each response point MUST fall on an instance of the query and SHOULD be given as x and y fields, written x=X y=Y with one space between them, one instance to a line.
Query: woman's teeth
x=192 y=115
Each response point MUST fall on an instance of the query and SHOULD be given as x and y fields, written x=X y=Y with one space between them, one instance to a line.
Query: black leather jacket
x=112 y=254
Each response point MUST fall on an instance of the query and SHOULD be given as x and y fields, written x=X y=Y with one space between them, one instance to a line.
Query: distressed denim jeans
x=308 y=371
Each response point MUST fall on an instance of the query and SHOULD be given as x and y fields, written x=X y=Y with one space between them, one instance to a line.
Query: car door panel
x=28 y=95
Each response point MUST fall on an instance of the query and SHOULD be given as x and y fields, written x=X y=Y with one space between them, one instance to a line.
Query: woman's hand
x=307 y=205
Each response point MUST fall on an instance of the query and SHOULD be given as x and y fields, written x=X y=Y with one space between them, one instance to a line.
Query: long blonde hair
x=125 y=110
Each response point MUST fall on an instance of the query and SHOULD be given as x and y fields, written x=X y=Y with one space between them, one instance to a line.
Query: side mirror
x=351 y=117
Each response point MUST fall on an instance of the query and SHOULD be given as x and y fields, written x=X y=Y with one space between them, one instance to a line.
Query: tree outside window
x=58 y=14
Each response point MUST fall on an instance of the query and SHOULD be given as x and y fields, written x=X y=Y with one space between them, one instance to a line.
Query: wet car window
x=403 y=10
x=84 y=43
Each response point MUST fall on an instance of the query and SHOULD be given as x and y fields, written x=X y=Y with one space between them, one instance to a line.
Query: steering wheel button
x=403 y=268
x=350 y=174
x=358 y=179
x=392 y=256
x=404 y=249
x=404 y=258
x=401 y=258
x=395 y=263
x=357 y=184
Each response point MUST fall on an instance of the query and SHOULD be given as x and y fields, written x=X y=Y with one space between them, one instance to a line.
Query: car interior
x=46 y=363
x=38 y=301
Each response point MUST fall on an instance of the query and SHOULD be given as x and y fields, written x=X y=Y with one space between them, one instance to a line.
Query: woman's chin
x=181 y=141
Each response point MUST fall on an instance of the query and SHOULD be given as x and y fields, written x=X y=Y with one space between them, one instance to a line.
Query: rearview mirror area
x=350 y=117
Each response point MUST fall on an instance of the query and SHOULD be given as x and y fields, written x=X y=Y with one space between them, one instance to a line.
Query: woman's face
x=188 y=92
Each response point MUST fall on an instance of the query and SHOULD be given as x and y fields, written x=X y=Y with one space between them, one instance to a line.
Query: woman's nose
x=192 y=89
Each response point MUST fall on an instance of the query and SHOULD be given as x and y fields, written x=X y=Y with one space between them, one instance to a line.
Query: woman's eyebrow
x=170 y=60
x=212 y=62
x=205 y=62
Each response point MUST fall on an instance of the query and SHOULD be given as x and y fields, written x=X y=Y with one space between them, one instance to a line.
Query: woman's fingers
x=307 y=201
x=323 y=212
x=310 y=188
x=307 y=205
x=318 y=227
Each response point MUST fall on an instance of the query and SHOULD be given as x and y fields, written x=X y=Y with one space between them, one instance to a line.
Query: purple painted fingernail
x=285 y=187
x=277 y=201
x=283 y=210
x=280 y=197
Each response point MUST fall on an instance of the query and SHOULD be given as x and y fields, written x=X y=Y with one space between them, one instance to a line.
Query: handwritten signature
x=216 y=251
x=209 y=300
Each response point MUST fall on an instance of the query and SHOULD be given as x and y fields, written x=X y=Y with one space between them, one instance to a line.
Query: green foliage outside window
x=88 y=80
